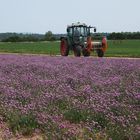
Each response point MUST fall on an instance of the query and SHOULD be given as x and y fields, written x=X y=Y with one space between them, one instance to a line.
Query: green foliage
x=76 y=115
x=34 y=48
x=124 y=35
x=116 y=48
x=116 y=36
x=21 y=38
x=101 y=119
x=12 y=39
x=62 y=104
x=117 y=132
x=49 y=36
x=25 y=124
x=123 y=48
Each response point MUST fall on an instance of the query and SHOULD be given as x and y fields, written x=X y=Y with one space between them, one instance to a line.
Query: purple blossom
x=46 y=87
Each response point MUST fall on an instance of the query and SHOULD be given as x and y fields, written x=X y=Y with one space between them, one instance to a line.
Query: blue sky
x=39 y=16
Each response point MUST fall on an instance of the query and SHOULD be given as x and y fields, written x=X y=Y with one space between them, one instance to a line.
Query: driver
x=76 y=32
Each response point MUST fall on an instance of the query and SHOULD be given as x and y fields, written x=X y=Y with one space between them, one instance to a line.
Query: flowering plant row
x=70 y=98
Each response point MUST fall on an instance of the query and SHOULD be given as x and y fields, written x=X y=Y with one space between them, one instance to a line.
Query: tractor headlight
x=85 y=43
x=81 y=37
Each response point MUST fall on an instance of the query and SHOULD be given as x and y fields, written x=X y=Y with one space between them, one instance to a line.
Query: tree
x=49 y=36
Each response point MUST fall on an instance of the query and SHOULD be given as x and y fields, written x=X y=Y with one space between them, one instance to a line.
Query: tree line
x=124 y=35
x=16 y=37
x=117 y=36
x=49 y=36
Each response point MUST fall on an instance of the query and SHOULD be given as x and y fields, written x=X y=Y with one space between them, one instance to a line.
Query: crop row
x=70 y=98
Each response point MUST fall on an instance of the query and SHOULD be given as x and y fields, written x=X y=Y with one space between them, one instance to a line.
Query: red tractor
x=79 y=40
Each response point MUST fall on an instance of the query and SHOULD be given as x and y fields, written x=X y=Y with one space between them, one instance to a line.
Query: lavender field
x=70 y=98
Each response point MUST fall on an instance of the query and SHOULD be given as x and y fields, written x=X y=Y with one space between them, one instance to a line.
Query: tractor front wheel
x=77 y=51
x=64 y=48
x=86 y=53
x=100 y=53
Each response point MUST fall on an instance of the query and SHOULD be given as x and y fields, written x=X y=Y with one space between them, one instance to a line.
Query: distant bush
x=49 y=36
x=20 y=39
x=117 y=36
x=124 y=35
x=12 y=39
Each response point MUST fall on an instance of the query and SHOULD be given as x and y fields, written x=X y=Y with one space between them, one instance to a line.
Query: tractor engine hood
x=78 y=39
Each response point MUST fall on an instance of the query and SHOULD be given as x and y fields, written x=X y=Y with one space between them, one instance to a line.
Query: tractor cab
x=79 y=40
x=81 y=30
x=78 y=33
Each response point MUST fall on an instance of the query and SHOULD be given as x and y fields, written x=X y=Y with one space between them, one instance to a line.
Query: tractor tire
x=85 y=53
x=77 y=51
x=64 y=48
x=100 y=53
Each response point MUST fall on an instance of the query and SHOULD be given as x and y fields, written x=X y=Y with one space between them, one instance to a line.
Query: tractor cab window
x=88 y=31
x=76 y=31
x=80 y=31
x=69 y=30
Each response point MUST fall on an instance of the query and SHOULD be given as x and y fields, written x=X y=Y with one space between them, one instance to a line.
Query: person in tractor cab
x=76 y=32
x=76 y=35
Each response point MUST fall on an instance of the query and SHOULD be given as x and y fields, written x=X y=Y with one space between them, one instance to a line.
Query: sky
x=40 y=16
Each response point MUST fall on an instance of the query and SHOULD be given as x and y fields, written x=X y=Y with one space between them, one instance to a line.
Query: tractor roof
x=78 y=24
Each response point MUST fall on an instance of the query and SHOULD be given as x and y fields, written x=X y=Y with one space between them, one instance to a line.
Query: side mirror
x=95 y=30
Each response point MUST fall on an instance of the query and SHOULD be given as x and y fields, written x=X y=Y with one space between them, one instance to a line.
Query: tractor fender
x=62 y=38
x=89 y=44
x=64 y=48
x=104 y=44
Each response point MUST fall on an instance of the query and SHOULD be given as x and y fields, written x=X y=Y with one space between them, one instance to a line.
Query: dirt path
x=5 y=53
x=5 y=133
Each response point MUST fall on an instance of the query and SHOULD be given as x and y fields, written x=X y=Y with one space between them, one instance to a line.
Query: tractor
x=79 y=40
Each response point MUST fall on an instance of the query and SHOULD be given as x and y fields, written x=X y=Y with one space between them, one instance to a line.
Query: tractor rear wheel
x=100 y=53
x=86 y=53
x=64 y=48
x=77 y=51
